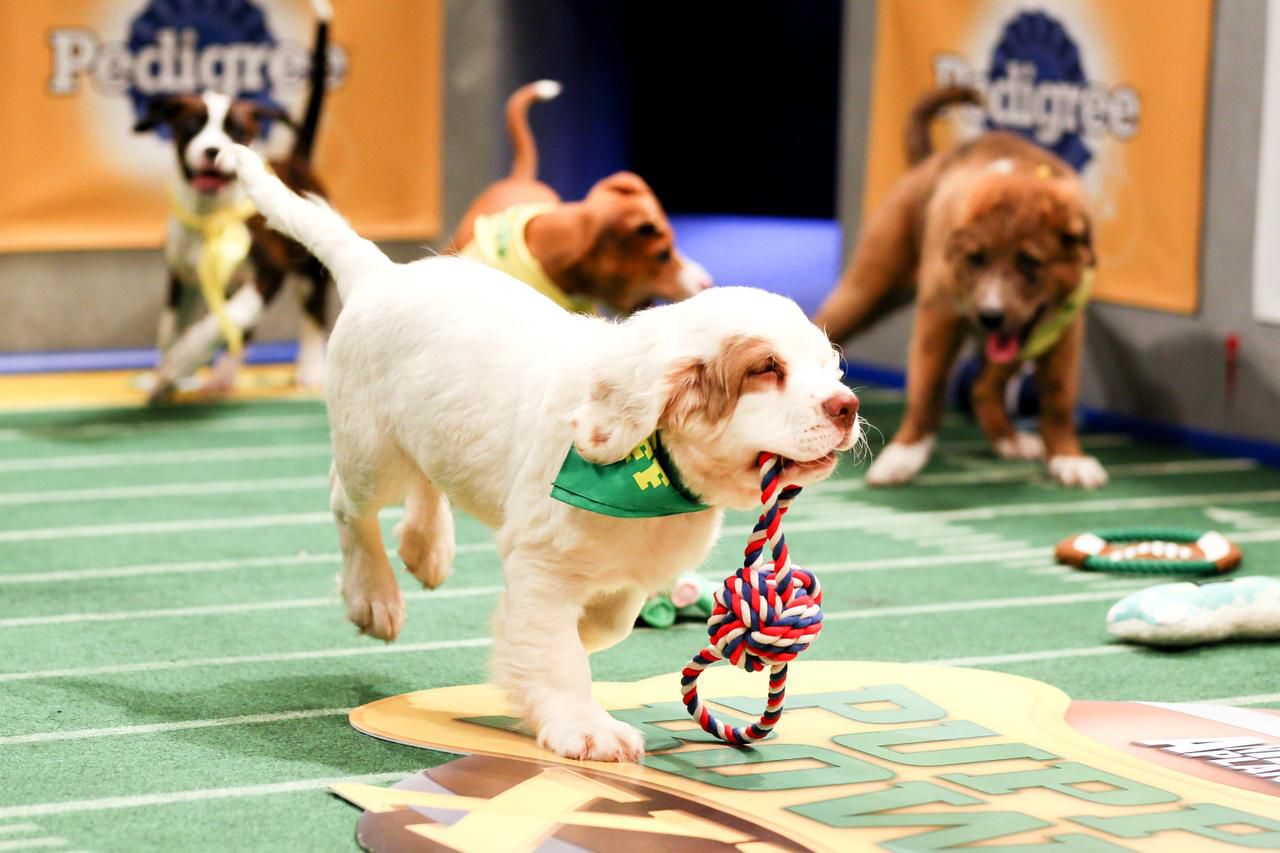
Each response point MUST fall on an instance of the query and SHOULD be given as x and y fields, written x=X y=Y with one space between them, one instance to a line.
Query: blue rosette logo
x=175 y=46
x=1036 y=84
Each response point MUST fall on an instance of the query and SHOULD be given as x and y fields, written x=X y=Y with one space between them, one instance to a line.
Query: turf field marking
x=177 y=726
x=33 y=843
x=1010 y=471
x=164 y=457
x=19 y=827
x=1256 y=699
x=277 y=657
x=221 y=609
x=220 y=487
x=997 y=511
x=142 y=800
x=198 y=566
x=974 y=604
x=1031 y=657
x=251 y=423
x=843 y=522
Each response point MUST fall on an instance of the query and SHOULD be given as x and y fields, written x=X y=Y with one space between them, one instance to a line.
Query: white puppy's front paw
x=1020 y=445
x=377 y=612
x=1082 y=471
x=899 y=463
x=592 y=736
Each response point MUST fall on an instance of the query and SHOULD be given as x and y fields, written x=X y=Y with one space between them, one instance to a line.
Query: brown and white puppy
x=614 y=248
x=994 y=235
x=202 y=126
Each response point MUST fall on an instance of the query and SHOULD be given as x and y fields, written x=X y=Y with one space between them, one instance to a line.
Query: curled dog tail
x=926 y=110
x=305 y=138
x=310 y=221
x=524 y=160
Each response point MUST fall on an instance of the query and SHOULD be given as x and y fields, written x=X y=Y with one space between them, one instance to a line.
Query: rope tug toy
x=1150 y=550
x=765 y=614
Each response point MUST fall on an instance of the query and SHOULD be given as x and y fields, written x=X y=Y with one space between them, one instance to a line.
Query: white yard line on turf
x=238 y=660
x=164 y=457
x=164 y=490
x=1094 y=441
x=146 y=800
x=253 y=423
x=177 y=726
x=19 y=827
x=1256 y=699
x=1014 y=471
x=852 y=519
x=197 y=566
x=975 y=604
x=1031 y=657
x=224 y=609
x=33 y=843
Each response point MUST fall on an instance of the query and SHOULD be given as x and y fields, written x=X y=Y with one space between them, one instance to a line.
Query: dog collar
x=498 y=242
x=645 y=484
x=1048 y=331
x=224 y=244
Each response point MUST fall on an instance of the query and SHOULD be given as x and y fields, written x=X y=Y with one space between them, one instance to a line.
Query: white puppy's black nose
x=991 y=320
x=842 y=408
x=211 y=153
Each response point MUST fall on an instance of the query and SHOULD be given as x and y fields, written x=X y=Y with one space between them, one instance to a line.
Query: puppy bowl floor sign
x=868 y=756
x=1116 y=89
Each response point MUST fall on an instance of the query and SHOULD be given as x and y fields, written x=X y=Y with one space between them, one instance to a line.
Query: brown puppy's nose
x=841 y=408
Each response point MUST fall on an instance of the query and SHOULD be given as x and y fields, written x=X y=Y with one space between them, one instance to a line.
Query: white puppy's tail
x=310 y=220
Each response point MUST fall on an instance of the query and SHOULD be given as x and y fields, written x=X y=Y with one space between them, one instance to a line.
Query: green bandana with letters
x=645 y=484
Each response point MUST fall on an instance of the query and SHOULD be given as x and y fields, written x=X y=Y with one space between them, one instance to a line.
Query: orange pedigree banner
x=1117 y=89
x=78 y=73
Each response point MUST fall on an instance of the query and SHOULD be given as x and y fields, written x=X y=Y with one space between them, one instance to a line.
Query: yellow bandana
x=1047 y=331
x=498 y=241
x=225 y=243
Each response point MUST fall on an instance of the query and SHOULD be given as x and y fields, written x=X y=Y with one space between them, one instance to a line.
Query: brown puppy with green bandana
x=993 y=238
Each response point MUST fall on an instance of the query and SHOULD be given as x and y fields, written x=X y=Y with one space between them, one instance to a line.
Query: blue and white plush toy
x=1184 y=614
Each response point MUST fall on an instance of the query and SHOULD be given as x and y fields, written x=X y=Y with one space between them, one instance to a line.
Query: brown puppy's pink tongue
x=1001 y=349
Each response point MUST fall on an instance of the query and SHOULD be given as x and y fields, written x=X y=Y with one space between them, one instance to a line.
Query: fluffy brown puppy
x=993 y=237
x=614 y=248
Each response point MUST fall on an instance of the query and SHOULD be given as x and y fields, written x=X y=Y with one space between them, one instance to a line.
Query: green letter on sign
x=878 y=743
x=1202 y=819
x=908 y=706
x=1064 y=778
x=869 y=810
x=700 y=766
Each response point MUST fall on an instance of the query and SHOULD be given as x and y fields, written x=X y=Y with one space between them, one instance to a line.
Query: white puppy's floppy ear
x=625 y=396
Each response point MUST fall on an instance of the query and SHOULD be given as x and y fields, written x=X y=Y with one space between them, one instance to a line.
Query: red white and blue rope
x=765 y=614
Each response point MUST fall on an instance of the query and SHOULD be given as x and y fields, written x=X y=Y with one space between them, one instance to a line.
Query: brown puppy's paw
x=1020 y=445
x=1083 y=472
x=899 y=463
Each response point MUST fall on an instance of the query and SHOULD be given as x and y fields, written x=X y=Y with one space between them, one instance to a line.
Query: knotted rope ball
x=764 y=616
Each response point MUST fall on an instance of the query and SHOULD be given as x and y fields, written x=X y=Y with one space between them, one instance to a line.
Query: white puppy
x=450 y=382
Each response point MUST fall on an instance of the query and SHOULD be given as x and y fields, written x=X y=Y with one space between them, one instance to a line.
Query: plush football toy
x=1184 y=614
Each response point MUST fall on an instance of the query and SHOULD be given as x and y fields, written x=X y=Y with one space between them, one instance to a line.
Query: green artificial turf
x=165 y=574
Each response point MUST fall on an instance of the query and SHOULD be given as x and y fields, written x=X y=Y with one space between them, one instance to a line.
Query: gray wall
x=104 y=299
x=1145 y=363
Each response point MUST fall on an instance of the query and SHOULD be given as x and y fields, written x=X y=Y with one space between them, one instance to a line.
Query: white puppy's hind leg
x=900 y=463
x=311 y=346
x=426 y=533
x=539 y=660
x=367 y=582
